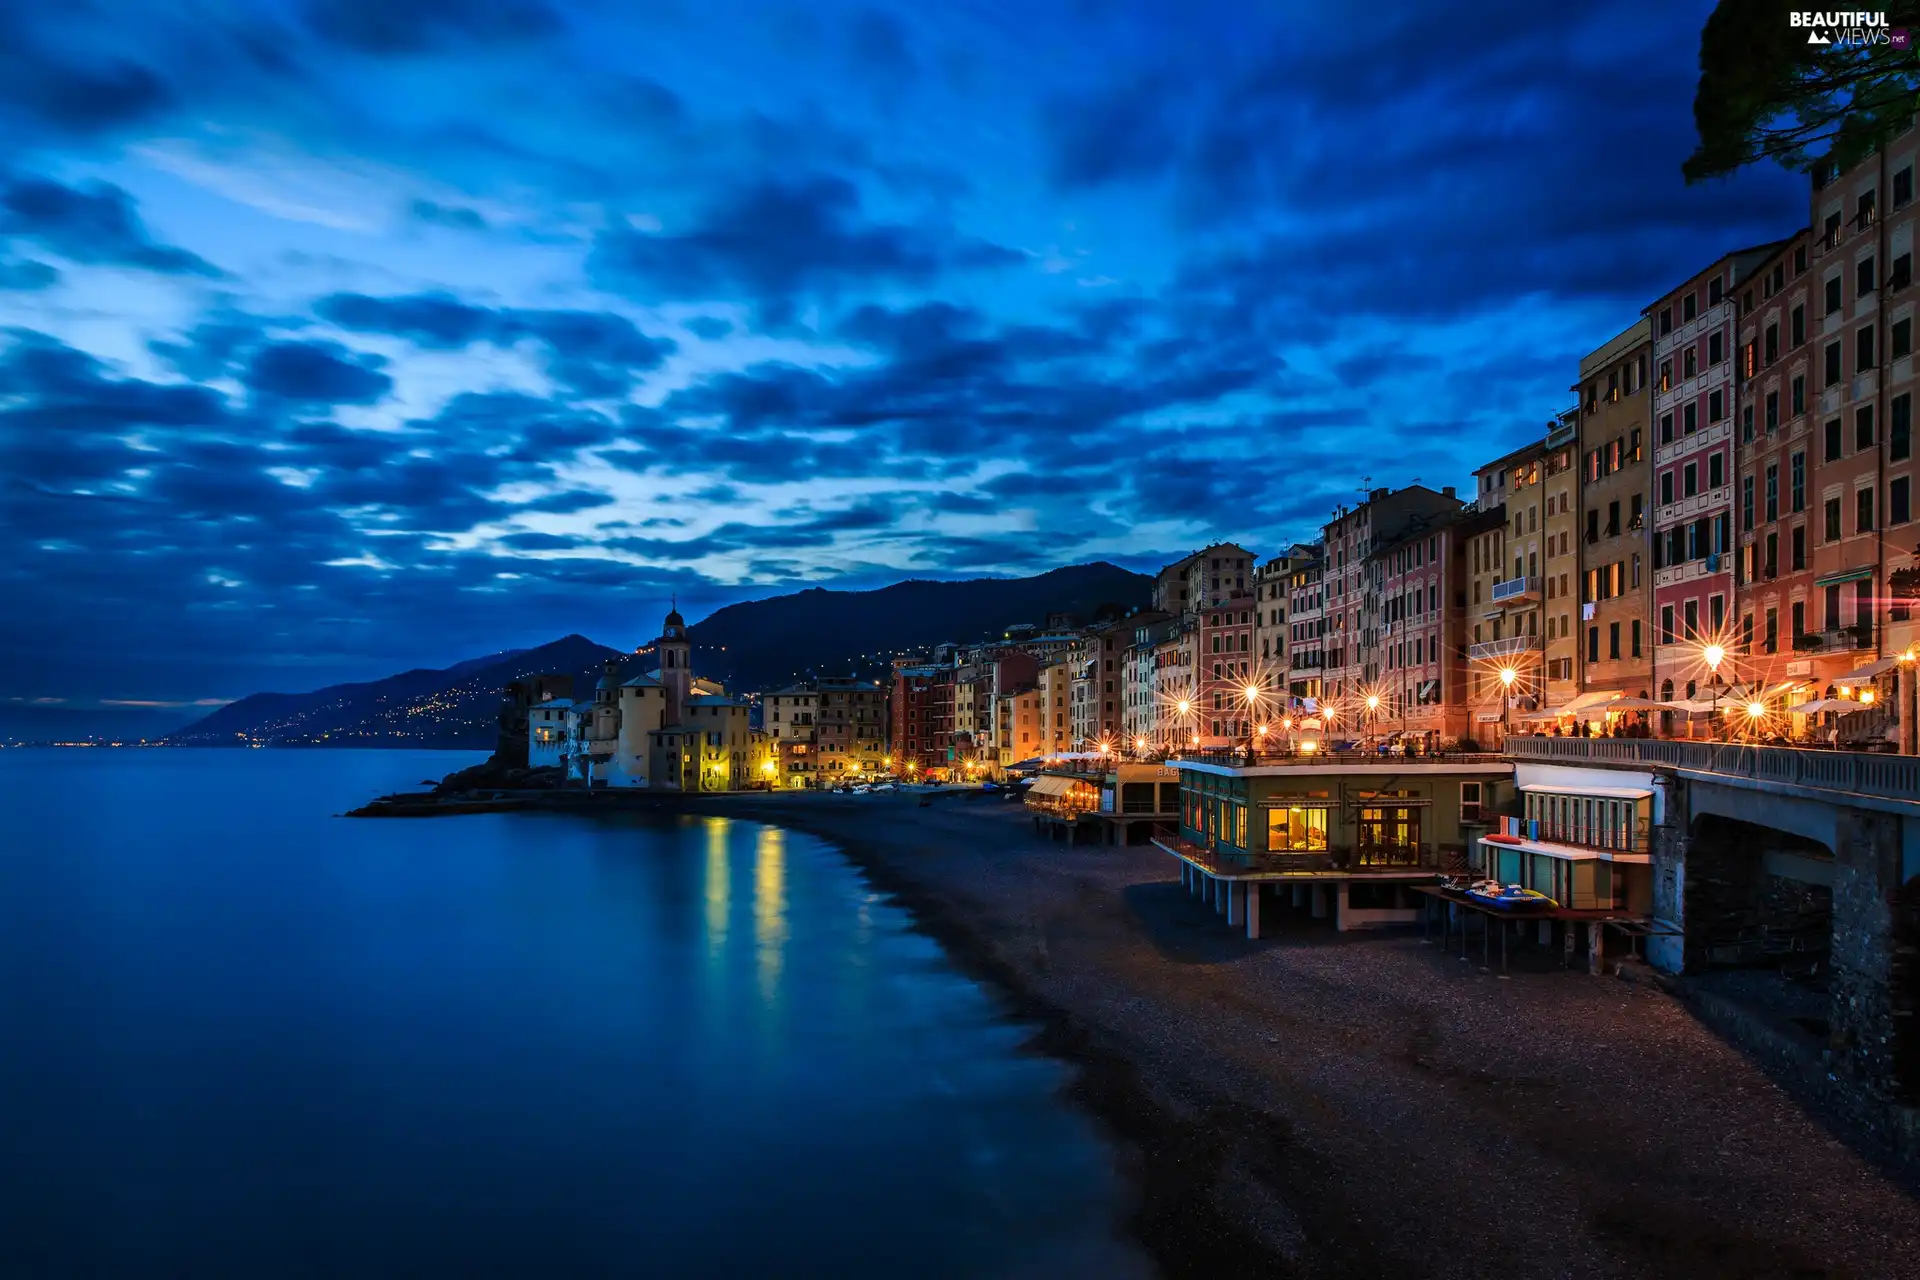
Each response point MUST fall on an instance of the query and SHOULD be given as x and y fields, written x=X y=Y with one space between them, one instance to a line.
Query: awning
x=1299 y=802
x=1609 y=793
x=1860 y=675
x=1696 y=707
x=1564 y=852
x=1049 y=785
x=1845 y=575
x=1637 y=704
x=1821 y=706
x=1588 y=701
x=1551 y=713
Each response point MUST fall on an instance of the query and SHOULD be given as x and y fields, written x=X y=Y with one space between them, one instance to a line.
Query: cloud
x=421 y=26
x=595 y=353
x=95 y=225
x=316 y=373
x=456 y=217
x=25 y=275
x=776 y=241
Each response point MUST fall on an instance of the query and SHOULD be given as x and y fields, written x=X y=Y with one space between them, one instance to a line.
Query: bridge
x=1803 y=862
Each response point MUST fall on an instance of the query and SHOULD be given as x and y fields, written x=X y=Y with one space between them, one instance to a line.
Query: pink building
x=1694 y=335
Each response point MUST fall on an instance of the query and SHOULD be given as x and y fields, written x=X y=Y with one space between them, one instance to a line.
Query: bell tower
x=676 y=664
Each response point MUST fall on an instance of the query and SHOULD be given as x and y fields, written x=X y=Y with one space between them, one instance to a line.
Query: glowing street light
x=1714 y=655
x=1507 y=676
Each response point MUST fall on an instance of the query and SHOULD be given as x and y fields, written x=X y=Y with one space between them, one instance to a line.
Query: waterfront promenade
x=1328 y=1105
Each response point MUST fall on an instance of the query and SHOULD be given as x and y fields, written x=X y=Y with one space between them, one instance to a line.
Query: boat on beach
x=1508 y=896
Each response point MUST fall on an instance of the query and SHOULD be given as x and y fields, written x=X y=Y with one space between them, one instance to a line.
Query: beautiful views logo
x=1844 y=28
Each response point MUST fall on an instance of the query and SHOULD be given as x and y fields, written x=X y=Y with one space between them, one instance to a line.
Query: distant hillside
x=457 y=706
x=763 y=644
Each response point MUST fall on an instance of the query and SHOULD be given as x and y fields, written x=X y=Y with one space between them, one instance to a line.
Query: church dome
x=675 y=620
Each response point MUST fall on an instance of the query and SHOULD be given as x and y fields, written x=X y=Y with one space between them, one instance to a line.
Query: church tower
x=676 y=665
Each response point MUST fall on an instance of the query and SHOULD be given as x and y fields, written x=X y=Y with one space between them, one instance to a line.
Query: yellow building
x=1506 y=673
x=1055 y=706
x=1560 y=562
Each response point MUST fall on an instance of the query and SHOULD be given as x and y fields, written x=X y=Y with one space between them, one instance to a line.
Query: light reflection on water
x=245 y=1038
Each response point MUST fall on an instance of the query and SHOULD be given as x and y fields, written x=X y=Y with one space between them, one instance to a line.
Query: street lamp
x=1507 y=676
x=1252 y=694
x=1373 y=705
x=1714 y=655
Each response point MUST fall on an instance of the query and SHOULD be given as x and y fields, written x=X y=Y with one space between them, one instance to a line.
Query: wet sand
x=1317 y=1104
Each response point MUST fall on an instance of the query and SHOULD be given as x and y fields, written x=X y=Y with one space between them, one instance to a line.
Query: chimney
x=1446 y=491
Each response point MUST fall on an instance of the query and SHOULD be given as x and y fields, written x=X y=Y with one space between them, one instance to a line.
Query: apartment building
x=1613 y=576
x=1777 y=454
x=1694 y=331
x=921 y=717
x=1481 y=535
x=1054 y=690
x=1140 y=670
x=1352 y=581
x=1306 y=627
x=788 y=719
x=1560 y=561
x=1423 y=612
x=1862 y=263
x=1225 y=670
x=851 y=726
x=1508 y=593
x=1176 y=692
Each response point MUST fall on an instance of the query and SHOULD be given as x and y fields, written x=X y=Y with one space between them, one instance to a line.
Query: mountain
x=455 y=706
x=763 y=644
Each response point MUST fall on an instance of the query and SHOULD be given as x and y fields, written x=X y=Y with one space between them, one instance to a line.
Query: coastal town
x=1640 y=698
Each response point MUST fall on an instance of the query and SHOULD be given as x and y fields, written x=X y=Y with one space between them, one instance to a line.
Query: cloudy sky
x=338 y=336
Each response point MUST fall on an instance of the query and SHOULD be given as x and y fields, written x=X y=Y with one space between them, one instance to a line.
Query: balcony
x=1507 y=650
x=1855 y=773
x=1693 y=506
x=1517 y=591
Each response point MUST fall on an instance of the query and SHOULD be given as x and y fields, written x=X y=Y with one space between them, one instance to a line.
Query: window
x=1690 y=307
x=1832 y=369
x=1716 y=406
x=1690 y=618
x=1799 y=616
x=1666 y=428
x=1613 y=641
x=1690 y=480
x=1799 y=547
x=1798 y=492
x=1900 y=338
x=1863 y=427
x=1636 y=637
x=1833 y=294
x=1771 y=349
x=1716 y=470
x=1772 y=564
x=1863 y=348
x=1666 y=624
x=1714 y=294
x=1797 y=324
x=1689 y=418
x=1716 y=348
x=1303 y=828
x=1833 y=519
x=1799 y=395
x=1666 y=488
x=1773 y=631
x=1773 y=492
x=1689 y=362
x=1899 y=501
x=1470 y=801
x=1863 y=511
x=1903 y=186
x=1863 y=277
x=1800 y=261
x=1593 y=643
x=1772 y=420
x=1666 y=322
x=1833 y=440
x=1900 y=428
x=1746 y=503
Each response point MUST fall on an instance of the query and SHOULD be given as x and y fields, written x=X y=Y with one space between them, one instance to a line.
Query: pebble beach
x=1320 y=1104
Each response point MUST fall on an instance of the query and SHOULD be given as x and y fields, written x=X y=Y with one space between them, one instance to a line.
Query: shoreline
x=1266 y=1123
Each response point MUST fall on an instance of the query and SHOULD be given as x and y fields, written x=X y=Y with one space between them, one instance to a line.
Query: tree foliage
x=1765 y=93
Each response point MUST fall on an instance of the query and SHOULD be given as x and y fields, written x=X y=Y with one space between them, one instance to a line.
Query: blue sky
x=348 y=335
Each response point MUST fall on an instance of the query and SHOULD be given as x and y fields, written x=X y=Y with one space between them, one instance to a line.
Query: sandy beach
x=1318 y=1104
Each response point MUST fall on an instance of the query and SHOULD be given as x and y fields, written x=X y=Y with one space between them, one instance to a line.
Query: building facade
x=1614 y=575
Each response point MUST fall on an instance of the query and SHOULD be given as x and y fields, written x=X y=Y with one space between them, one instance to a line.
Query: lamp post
x=1715 y=655
x=1373 y=707
x=1252 y=694
x=1185 y=708
x=1507 y=676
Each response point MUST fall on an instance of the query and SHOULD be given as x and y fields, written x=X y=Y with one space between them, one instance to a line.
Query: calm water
x=240 y=1037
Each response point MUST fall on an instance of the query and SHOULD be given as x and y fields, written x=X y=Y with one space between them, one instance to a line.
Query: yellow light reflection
x=770 y=909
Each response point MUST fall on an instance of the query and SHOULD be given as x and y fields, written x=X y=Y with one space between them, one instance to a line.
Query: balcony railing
x=1515 y=590
x=1228 y=860
x=1237 y=758
x=1856 y=772
x=1505 y=650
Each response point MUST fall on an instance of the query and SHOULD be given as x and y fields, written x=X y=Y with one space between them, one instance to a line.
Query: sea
x=241 y=1036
